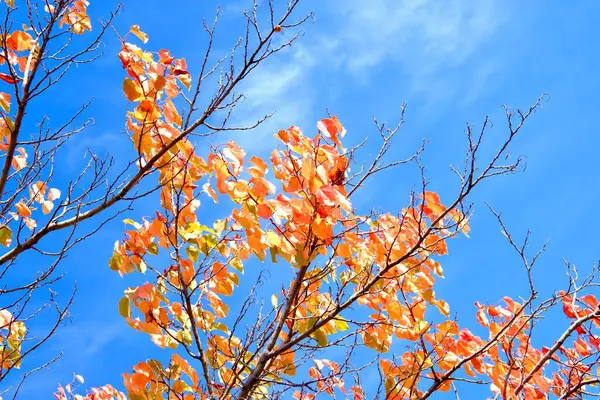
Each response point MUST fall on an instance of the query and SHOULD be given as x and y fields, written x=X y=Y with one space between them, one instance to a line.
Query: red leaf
x=7 y=78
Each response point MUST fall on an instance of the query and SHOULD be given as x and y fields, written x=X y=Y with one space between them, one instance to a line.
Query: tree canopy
x=294 y=292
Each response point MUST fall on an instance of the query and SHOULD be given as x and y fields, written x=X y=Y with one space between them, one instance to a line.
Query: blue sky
x=451 y=62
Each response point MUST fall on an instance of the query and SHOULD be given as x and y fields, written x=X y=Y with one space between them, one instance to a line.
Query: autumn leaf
x=332 y=129
x=47 y=207
x=135 y=29
x=53 y=194
x=320 y=337
x=7 y=78
x=5 y=318
x=147 y=111
x=5 y=236
x=125 y=307
x=22 y=209
x=5 y=102
x=19 y=41
x=186 y=80
x=19 y=160
x=132 y=90
x=274 y=301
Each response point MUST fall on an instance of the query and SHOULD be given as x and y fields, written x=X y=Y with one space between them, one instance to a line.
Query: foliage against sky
x=300 y=67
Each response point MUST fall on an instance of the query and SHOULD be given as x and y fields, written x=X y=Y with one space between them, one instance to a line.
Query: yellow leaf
x=273 y=252
x=186 y=79
x=10 y=3
x=125 y=307
x=135 y=29
x=5 y=101
x=443 y=307
x=219 y=226
x=273 y=239
x=192 y=252
x=341 y=325
x=320 y=337
x=132 y=90
x=5 y=236
x=152 y=248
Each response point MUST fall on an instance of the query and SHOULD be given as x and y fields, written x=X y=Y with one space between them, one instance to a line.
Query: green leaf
x=125 y=307
x=5 y=236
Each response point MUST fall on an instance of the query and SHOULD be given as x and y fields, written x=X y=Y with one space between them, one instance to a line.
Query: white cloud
x=414 y=31
x=101 y=144
x=427 y=43
x=88 y=338
x=280 y=86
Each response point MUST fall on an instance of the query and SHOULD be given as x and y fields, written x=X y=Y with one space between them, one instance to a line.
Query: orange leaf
x=332 y=129
x=19 y=41
x=23 y=209
x=147 y=111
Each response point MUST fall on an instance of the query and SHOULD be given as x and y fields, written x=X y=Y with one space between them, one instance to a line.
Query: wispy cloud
x=425 y=43
x=427 y=33
x=282 y=86
x=101 y=144
x=88 y=338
